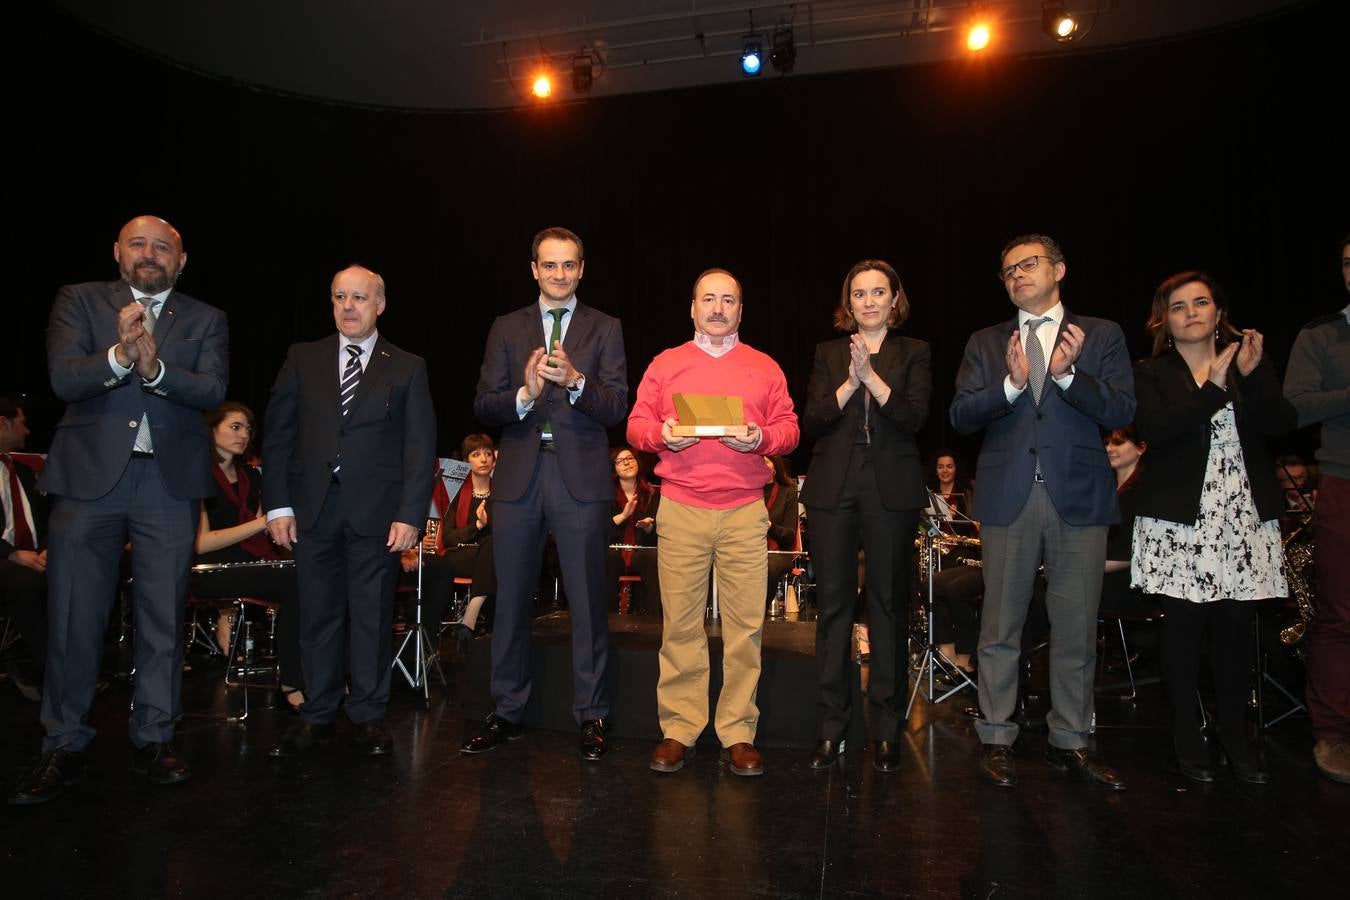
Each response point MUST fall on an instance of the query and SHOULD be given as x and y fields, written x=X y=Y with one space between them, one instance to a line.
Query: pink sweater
x=710 y=474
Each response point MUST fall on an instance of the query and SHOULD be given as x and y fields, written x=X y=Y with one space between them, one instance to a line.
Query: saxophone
x=1298 y=561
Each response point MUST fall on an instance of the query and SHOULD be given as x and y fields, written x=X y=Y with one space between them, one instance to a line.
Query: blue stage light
x=752 y=56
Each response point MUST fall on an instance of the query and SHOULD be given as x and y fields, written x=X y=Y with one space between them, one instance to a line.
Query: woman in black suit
x=1207 y=532
x=867 y=397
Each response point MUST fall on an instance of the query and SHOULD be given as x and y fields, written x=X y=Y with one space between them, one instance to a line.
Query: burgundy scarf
x=644 y=492
x=258 y=546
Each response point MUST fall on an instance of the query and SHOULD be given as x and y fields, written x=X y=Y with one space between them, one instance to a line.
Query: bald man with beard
x=137 y=362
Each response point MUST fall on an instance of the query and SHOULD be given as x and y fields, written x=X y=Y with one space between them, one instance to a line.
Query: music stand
x=932 y=657
x=424 y=657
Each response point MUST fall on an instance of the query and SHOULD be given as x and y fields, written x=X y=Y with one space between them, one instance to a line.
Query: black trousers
x=439 y=574
x=646 y=598
x=1229 y=627
x=859 y=519
x=346 y=595
x=23 y=598
x=958 y=591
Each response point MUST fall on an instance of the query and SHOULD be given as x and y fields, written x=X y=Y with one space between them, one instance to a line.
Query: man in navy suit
x=348 y=453
x=137 y=363
x=1042 y=387
x=553 y=406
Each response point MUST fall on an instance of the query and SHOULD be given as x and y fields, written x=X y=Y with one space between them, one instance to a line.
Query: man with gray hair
x=349 y=450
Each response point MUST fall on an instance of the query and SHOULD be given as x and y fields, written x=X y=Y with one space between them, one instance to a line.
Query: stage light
x=977 y=36
x=752 y=55
x=583 y=73
x=1058 y=22
x=784 y=53
x=542 y=86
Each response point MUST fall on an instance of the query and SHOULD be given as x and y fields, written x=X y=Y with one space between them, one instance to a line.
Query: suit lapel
x=370 y=378
x=168 y=315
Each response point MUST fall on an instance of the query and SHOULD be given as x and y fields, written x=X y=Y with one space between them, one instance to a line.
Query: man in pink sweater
x=712 y=510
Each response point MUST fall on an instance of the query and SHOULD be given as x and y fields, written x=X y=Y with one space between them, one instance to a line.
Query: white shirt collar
x=156 y=300
x=1055 y=314
x=704 y=343
x=570 y=306
x=367 y=346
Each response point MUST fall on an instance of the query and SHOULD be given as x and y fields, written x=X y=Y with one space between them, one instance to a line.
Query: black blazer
x=903 y=363
x=1173 y=417
x=387 y=440
x=594 y=343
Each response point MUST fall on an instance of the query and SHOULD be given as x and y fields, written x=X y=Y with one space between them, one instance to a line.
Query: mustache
x=718 y=317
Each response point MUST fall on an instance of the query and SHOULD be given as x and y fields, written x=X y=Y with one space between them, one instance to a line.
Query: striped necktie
x=351 y=377
x=1035 y=359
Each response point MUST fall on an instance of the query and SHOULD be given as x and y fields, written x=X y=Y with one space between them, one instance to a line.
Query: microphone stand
x=932 y=657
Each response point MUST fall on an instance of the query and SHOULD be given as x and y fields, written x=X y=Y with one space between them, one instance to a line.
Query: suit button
x=1040 y=415
x=1031 y=450
x=133 y=423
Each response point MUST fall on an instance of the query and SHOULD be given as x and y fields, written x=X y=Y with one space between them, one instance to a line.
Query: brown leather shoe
x=1333 y=759
x=744 y=759
x=669 y=756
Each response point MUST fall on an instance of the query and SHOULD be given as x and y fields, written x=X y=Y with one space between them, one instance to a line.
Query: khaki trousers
x=693 y=541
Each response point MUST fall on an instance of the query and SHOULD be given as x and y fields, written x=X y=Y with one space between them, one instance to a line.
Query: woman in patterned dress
x=1207 y=535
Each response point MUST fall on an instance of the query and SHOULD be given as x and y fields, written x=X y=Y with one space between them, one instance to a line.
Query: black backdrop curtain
x=1221 y=151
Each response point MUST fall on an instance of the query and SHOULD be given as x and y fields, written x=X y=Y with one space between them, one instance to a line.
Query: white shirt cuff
x=117 y=369
x=523 y=406
x=1065 y=380
x=581 y=386
x=280 y=512
x=1010 y=392
x=158 y=378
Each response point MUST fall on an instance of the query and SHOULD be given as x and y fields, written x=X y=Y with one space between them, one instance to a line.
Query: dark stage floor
x=531 y=819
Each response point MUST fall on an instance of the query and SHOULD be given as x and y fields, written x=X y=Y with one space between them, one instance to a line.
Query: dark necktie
x=554 y=338
x=351 y=377
x=143 y=443
x=23 y=535
x=1035 y=359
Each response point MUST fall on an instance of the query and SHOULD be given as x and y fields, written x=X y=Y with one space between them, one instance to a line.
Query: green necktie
x=554 y=338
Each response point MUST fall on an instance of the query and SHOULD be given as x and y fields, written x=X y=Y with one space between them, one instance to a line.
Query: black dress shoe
x=593 y=744
x=302 y=738
x=49 y=779
x=886 y=756
x=997 y=765
x=826 y=754
x=1080 y=764
x=161 y=764
x=1196 y=771
x=1249 y=770
x=495 y=731
x=372 y=738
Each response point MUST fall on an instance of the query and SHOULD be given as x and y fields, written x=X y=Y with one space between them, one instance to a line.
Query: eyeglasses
x=624 y=460
x=1026 y=265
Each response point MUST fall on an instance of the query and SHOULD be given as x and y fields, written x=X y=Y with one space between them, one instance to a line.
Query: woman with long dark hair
x=1207 y=535
x=868 y=396
x=233 y=529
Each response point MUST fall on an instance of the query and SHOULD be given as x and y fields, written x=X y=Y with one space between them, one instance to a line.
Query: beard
x=150 y=278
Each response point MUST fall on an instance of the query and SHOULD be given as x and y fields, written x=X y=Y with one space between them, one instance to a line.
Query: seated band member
x=347 y=468
x=463 y=544
x=23 y=553
x=867 y=397
x=712 y=509
x=233 y=529
x=137 y=363
x=1300 y=491
x=952 y=491
x=1125 y=452
x=1207 y=536
x=633 y=517
x=1041 y=387
x=780 y=499
x=554 y=378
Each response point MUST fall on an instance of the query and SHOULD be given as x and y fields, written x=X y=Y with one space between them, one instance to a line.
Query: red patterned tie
x=23 y=535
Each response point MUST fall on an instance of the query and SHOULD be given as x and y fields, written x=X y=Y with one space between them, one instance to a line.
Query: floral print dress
x=1229 y=552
